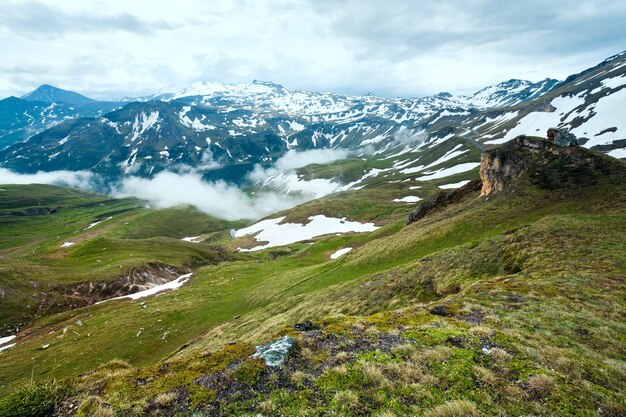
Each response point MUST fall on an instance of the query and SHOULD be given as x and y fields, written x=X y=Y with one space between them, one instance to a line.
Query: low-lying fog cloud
x=293 y=160
x=168 y=189
x=219 y=199
x=76 y=179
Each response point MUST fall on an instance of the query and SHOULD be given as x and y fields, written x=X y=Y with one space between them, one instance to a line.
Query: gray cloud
x=35 y=19
x=395 y=48
x=430 y=24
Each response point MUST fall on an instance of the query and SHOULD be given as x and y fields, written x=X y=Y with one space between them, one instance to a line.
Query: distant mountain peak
x=510 y=92
x=50 y=94
x=269 y=84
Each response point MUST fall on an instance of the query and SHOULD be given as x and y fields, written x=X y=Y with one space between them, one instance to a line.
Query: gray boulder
x=561 y=137
x=275 y=353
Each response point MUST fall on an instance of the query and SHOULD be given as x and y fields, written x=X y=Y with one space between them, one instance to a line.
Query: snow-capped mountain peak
x=232 y=127
x=509 y=93
x=210 y=88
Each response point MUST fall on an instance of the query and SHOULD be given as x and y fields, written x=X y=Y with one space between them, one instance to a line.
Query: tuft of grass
x=301 y=378
x=250 y=370
x=165 y=398
x=486 y=377
x=347 y=400
x=93 y=406
x=372 y=373
x=540 y=386
x=35 y=400
x=455 y=408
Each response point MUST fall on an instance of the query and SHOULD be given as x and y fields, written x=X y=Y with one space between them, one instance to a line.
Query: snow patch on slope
x=340 y=252
x=276 y=234
x=168 y=286
x=446 y=172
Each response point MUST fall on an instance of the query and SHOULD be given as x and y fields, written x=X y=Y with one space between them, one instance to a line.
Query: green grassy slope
x=371 y=199
x=36 y=220
x=534 y=276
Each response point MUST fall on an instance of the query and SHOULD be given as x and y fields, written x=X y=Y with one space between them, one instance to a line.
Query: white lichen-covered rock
x=275 y=353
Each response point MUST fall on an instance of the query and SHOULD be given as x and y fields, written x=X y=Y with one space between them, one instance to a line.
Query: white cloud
x=403 y=47
x=169 y=189
x=292 y=160
x=207 y=161
x=219 y=199
x=297 y=159
x=76 y=179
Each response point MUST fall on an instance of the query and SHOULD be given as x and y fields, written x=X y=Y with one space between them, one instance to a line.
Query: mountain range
x=224 y=130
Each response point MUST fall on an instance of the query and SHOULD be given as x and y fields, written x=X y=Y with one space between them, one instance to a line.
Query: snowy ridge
x=508 y=93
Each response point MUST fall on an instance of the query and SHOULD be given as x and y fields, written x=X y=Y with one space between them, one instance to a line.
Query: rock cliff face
x=500 y=166
x=544 y=163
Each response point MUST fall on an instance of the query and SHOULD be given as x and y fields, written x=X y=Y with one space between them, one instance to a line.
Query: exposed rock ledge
x=441 y=200
x=553 y=163
x=500 y=166
x=70 y=296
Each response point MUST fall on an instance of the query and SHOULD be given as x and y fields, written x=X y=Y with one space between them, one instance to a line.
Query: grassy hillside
x=109 y=238
x=507 y=305
x=378 y=180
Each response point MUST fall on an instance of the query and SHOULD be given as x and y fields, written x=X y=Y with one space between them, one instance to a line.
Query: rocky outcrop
x=31 y=211
x=562 y=137
x=441 y=200
x=69 y=296
x=502 y=165
x=543 y=163
x=556 y=163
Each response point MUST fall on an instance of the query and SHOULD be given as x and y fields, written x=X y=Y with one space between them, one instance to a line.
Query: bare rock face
x=543 y=163
x=69 y=296
x=500 y=166
x=562 y=137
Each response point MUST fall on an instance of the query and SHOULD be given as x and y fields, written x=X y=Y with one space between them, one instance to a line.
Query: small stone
x=45 y=346
x=275 y=353
x=305 y=326
x=456 y=341
x=440 y=310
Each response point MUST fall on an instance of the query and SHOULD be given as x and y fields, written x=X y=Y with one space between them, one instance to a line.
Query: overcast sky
x=108 y=49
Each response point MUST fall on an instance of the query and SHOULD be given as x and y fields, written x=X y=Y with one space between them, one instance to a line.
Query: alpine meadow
x=425 y=217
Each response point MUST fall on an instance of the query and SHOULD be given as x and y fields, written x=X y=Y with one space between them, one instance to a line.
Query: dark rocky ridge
x=545 y=164
x=554 y=163
x=442 y=200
